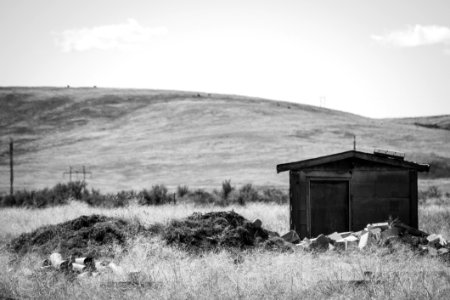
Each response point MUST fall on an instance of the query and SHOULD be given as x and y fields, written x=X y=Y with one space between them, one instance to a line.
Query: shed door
x=329 y=207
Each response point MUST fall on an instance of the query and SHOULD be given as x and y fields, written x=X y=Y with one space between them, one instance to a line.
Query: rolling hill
x=131 y=139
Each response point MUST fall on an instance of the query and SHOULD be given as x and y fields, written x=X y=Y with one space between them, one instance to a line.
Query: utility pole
x=77 y=171
x=70 y=173
x=85 y=172
x=11 y=165
x=354 y=142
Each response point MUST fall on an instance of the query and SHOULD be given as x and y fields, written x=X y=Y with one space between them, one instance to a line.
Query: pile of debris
x=92 y=236
x=382 y=234
x=216 y=230
x=84 y=267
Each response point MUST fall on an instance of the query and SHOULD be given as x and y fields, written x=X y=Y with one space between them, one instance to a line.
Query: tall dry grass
x=397 y=273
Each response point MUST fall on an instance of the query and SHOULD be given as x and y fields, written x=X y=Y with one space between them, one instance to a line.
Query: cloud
x=121 y=36
x=414 y=36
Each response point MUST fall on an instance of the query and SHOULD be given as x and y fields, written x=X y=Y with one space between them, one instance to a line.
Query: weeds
x=201 y=197
x=247 y=193
x=156 y=196
x=430 y=193
x=182 y=190
x=227 y=188
x=58 y=195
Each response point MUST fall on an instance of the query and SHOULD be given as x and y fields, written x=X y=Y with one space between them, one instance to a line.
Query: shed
x=346 y=191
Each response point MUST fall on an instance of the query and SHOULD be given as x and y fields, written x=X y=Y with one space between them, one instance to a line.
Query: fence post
x=11 y=166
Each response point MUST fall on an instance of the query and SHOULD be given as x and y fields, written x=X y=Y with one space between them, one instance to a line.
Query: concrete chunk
x=351 y=238
x=321 y=242
x=78 y=267
x=57 y=261
x=345 y=234
x=433 y=239
x=291 y=237
x=304 y=244
x=442 y=251
x=335 y=237
x=436 y=240
x=376 y=233
x=347 y=243
x=381 y=225
x=85 y=261
x=365 y=240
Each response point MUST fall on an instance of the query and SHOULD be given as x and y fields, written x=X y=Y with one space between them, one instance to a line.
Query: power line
x=74 y=171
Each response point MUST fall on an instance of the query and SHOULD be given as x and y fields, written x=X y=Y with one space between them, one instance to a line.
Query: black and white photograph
x=210 y=149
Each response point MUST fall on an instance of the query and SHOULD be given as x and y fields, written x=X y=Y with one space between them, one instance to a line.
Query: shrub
x=110 y=200
x=123 y=198
x=156 y=196
x=432 y=192
x=182 y=190
x=202 y=197
x=57 y=195
x=247 y=193
x=274 y=195
x=94 y=198
x=227 y=188
x=74 y=189
x=7 y=200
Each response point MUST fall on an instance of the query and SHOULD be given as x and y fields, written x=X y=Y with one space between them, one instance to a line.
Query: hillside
x=131 y=139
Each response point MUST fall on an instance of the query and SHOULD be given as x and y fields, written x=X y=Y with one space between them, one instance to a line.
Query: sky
x=374 y=58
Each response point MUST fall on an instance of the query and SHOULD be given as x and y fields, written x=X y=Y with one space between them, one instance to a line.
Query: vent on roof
x=389 y=153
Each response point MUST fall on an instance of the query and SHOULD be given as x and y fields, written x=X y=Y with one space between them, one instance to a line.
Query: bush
x=74 y=189
x=46 y=197
x=274 y=195
x=227 y=188
x=182 y=190
x=7 y=200
x=247 y=193
x=432 y=192
x=95 y=198
x=156 y=196
x=202 y=197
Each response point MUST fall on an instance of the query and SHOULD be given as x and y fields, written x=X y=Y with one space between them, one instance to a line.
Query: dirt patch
x=215 y=230
x=93 y=235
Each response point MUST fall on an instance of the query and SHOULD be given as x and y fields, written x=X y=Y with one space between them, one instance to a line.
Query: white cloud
x=126 y=35
x=414 y=36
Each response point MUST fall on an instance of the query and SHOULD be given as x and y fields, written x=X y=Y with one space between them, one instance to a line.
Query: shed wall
x=375 y=194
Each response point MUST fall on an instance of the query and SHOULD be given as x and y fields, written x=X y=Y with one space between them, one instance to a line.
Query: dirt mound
x=87 y=235
x=215 y=230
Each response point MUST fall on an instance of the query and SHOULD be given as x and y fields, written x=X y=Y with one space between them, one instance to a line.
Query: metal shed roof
x=391 y=161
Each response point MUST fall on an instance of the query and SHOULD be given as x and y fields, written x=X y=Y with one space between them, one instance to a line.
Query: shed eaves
x=298 y=165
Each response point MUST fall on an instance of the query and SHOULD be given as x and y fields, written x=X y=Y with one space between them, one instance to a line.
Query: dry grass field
x=132 y=139
x=398 y=272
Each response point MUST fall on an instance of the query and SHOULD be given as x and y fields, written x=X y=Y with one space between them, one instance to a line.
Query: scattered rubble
x=291 y=237
x=85 y=267
x=74 y=247
x=381 y=234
